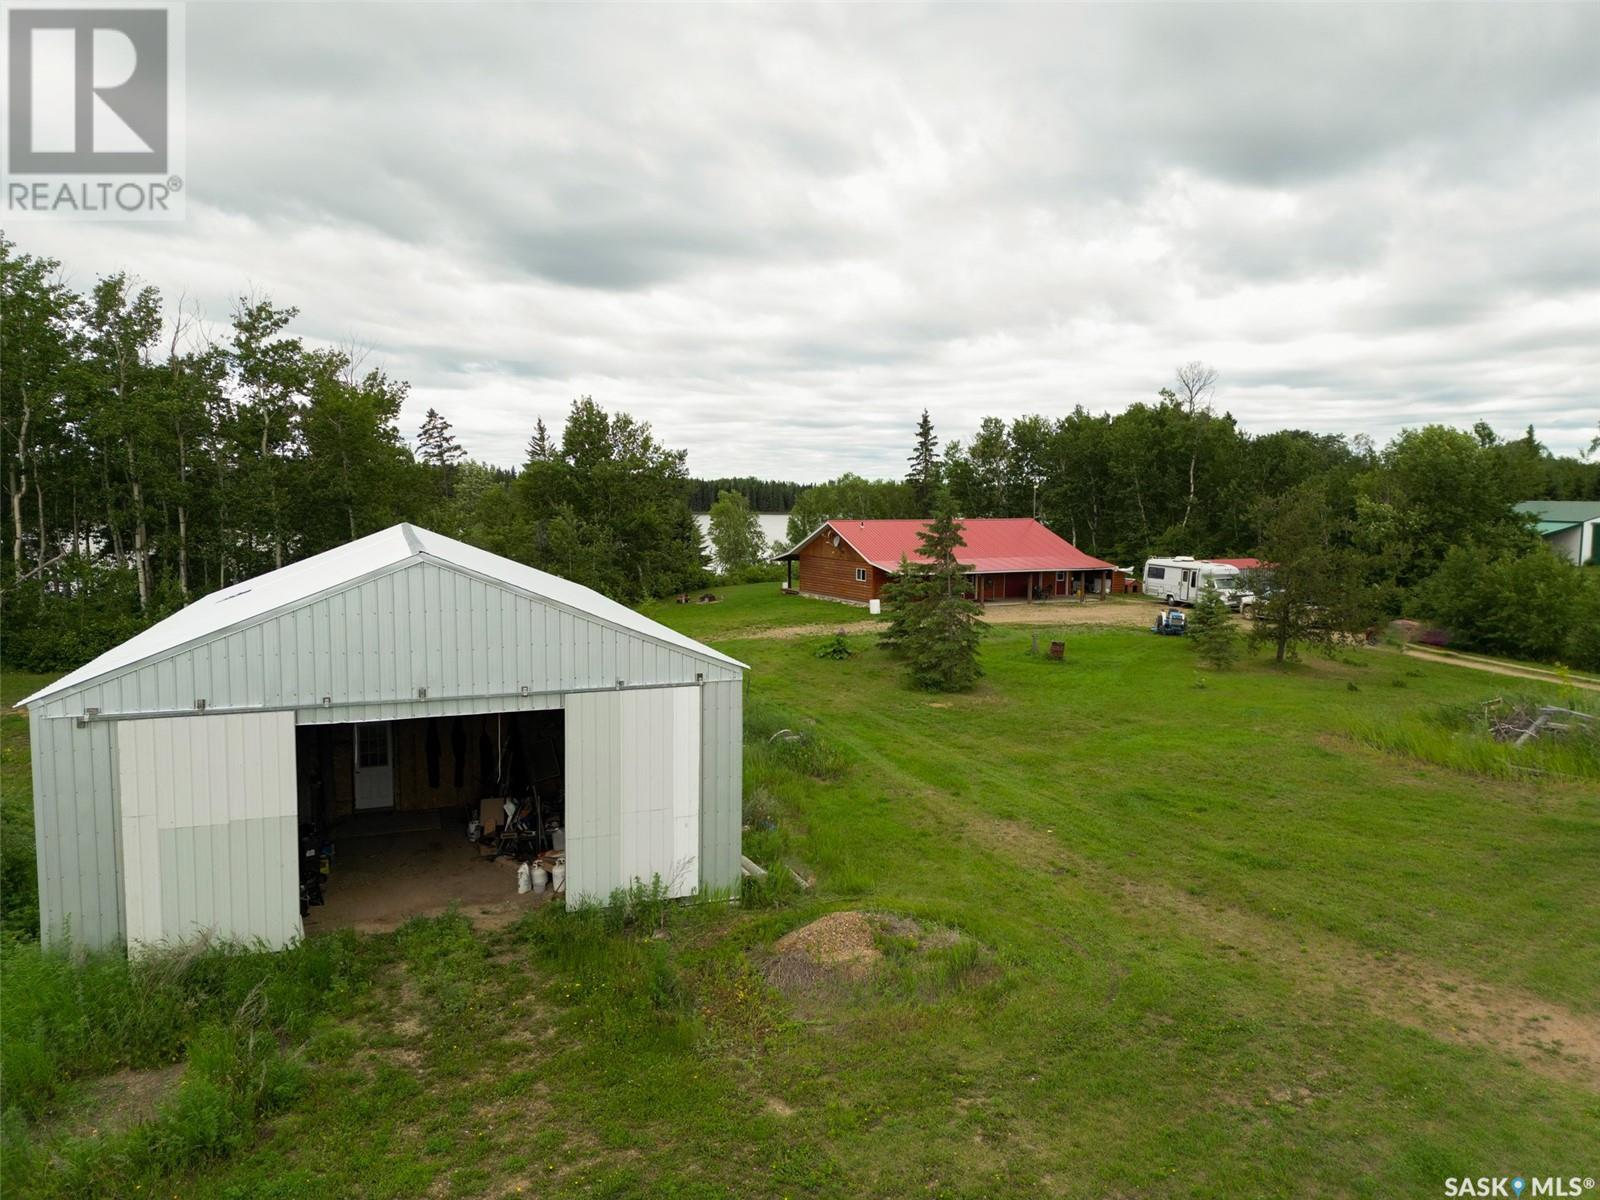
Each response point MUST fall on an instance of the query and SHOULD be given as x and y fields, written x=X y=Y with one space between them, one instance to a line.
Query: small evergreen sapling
x=1212 y=632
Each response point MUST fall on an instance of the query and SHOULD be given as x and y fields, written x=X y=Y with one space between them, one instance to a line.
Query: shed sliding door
x=209 y=835
x=633 y=791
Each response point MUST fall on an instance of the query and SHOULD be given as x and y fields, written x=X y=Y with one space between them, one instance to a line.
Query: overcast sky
x=779 y=233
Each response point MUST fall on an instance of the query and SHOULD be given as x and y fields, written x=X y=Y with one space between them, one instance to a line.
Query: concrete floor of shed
x=379 y=883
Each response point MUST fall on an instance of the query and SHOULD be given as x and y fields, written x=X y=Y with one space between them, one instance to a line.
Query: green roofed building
x=1568 y=526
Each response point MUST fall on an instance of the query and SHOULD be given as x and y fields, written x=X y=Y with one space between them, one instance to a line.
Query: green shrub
x=1534 y=606
x=836 y=648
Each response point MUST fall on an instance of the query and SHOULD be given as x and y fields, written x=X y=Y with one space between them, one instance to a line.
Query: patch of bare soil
x=797 y=631
x=1070 y=612
x=1544 y=1036
x=121 y=1101
x=379 y=884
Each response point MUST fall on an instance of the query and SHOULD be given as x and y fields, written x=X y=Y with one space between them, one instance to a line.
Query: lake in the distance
x=774 y=527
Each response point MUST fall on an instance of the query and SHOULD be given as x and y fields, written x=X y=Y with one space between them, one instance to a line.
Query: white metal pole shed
x=164 y=771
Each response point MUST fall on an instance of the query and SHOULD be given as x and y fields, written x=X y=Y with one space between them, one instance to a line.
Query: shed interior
x=404 y=818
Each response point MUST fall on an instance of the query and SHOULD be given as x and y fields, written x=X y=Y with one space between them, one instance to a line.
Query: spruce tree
x=924 y=476
x=438 y=448
x=540 y=448
x=932 y=623
x=1212 y=632
x=906 y=597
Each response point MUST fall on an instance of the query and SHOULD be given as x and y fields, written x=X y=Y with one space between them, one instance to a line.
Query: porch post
x=788 y=574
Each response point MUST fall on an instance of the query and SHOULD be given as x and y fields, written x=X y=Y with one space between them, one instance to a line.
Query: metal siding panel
x=659 y=788
x=208 y=814
x=721 y=784
x=41 y=750
x=76 y=839
x=686 y=743
x=593 y=763
x=95 y=851
x=69 y=846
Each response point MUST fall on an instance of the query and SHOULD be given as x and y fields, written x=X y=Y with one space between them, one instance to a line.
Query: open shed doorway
x=405 y=818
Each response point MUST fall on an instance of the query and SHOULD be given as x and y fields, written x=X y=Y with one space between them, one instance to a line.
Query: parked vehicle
x=1170 y=623
x=1180 y=580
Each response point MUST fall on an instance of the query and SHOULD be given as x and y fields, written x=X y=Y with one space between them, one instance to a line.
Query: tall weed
x=65 y=1014
x=1460 y=737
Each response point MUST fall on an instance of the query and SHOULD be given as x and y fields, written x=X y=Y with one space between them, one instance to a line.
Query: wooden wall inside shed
x=413 y=789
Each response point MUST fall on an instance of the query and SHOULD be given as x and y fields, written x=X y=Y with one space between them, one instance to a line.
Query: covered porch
x=1019 y=587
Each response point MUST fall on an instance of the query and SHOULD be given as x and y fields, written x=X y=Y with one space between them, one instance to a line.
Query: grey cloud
x=777 y=233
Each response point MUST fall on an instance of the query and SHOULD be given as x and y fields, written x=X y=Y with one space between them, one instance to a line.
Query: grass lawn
x=1177 y=934
x=751 y=608
x=19 y=889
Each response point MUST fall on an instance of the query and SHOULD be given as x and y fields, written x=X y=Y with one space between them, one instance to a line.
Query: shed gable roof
x=303 y=581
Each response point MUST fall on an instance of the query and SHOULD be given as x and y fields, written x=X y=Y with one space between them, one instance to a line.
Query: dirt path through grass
x=1546 y=1037
x=1499 y=668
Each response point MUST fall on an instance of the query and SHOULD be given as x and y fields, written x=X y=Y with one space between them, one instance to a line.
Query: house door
x=374 y=765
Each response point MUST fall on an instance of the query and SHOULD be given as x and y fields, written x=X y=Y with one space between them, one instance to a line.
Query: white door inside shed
x=633 y=791
x=374 y=786
x=208 y=824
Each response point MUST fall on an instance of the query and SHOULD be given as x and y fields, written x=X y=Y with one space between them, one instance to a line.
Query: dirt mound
x=836 y=949
x=841 y=937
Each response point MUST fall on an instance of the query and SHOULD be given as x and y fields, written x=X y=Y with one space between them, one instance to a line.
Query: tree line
x=147 y=461
x=763 y=495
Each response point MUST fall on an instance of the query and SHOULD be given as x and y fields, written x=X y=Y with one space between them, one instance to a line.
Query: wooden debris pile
x=1520 y=724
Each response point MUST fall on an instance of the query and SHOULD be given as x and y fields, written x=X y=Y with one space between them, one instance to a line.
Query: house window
x=1061 y=576
x=861 y=574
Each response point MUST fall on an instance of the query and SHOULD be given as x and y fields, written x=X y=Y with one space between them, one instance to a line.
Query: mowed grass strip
x=1218 y=947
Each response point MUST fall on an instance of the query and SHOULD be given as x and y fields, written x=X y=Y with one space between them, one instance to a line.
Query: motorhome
x=1180 y=580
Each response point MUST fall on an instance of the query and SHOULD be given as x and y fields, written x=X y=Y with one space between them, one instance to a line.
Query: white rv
x=1180 y=580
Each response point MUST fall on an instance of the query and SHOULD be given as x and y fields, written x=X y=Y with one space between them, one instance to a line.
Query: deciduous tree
x=736 y=536
x=1312 y=593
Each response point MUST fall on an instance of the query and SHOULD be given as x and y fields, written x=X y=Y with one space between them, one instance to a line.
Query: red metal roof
x=995 y=545
x=1244 y=564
